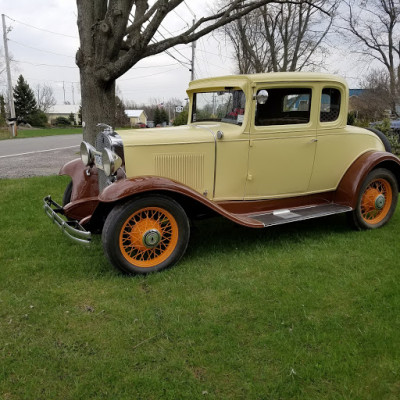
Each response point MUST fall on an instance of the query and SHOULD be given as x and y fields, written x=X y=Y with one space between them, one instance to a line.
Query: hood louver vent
x=185 y=168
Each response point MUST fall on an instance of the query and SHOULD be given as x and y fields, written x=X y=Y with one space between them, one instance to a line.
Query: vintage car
x=260 y=150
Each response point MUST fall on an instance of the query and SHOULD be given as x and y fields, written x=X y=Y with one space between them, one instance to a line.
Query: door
x=282 y=143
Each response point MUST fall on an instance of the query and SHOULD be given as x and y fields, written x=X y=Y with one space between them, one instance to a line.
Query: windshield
x=222 y=106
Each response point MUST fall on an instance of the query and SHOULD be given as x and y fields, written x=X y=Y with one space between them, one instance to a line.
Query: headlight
x=87 y=153
x=111 y=162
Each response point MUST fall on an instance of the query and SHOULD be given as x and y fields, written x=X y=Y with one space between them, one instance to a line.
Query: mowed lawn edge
x=303 y=311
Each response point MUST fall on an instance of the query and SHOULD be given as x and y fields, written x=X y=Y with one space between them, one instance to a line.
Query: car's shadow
x=219 y=232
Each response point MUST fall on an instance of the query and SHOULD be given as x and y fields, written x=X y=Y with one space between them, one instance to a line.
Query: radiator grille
x=185 y=168
x=102 y=142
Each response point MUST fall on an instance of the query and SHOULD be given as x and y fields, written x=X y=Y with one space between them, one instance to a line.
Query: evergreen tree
x=182 y=118
x=164 y=116
x=24 y=100
x=157 y=117
x=121 y=119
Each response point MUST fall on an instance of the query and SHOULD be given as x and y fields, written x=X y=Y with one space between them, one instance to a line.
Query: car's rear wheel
x=146 y=235
x=376 y=201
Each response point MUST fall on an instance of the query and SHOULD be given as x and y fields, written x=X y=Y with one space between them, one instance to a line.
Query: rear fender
x=349 y=187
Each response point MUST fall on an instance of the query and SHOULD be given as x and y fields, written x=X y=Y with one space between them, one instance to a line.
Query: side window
x=330 y=105
x=284 y=106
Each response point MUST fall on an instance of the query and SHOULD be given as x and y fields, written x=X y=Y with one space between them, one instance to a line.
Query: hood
x=168 y=135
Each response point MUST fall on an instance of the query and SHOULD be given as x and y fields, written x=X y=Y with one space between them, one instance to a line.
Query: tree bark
x=98 y=103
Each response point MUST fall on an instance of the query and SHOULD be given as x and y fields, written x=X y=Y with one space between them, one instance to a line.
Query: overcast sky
x=44 y=38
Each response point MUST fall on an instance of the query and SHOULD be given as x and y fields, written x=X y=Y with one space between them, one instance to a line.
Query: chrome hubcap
x=151 y=238
x=380 y=202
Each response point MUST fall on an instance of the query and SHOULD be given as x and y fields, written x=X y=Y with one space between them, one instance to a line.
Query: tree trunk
x=98 y=103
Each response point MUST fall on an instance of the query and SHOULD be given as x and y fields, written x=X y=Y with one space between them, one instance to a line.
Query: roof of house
x=356 y=92
x=134 y=113
x=64 y=109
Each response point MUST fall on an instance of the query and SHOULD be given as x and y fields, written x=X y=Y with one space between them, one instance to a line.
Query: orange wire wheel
x=148 y=237
x=377 y=200
x=146 y=234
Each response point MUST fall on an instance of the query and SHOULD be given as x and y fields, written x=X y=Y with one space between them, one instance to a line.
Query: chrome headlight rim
x=87 y=154
x=111 y=162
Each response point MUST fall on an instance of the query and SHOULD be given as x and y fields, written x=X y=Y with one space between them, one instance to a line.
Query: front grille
x=103 y=142
x=110 y=140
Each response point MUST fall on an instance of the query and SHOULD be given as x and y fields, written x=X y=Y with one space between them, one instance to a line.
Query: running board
x=285 y=216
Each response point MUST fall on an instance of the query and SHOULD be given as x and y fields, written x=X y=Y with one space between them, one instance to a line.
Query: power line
x=40 y=29
x=146 y=76
x=43 y=51
x=181 y=18
x=192 y=12
x=45 y=65
x=174 y=46
x=153 y=40
x=219 y=55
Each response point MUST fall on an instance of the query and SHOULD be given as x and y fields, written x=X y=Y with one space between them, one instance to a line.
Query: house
x=63 y=110
x=136 y=117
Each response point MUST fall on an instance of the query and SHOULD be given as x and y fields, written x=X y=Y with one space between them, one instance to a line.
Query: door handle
x=313 y=140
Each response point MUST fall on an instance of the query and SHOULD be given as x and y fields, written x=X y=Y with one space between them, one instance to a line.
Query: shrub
x=62 y=121
x=37 y=118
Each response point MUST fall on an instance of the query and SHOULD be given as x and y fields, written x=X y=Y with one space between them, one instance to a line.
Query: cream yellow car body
x=252 y=162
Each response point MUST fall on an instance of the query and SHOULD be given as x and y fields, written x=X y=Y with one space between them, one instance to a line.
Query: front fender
x=85 y=190
x=349 y=187
x=84 y=185
x=131 y=187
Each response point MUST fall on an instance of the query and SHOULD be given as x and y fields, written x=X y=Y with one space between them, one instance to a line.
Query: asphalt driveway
x=21 y=158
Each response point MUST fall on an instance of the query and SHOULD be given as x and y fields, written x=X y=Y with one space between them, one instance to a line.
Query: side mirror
x=262 y=97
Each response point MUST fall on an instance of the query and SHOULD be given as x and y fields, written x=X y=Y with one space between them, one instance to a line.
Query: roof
x=265 y=77
x=64 y=109
x=134 y=113
x=356 y=92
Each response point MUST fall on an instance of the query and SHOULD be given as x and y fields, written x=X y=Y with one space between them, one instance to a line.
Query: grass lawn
x=28 y=133
x=303 y=311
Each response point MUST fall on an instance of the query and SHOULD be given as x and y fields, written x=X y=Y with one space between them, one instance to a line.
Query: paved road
x=40 y=156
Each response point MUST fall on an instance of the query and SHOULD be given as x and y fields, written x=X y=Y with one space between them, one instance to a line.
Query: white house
x=136 y=116
x=63 y=110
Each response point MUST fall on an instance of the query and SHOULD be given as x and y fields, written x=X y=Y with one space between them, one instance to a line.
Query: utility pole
x=193 y=55
x=193 y=43
x=64 y=90
x=12 y=119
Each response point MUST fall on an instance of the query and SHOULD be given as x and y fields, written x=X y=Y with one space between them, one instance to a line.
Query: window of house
x=285 y=106
x=330 y=105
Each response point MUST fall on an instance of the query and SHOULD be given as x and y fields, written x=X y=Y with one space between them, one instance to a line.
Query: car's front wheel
x=146 y=235
x=376 y=201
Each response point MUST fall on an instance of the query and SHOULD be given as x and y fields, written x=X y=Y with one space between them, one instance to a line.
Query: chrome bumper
x=72 y=229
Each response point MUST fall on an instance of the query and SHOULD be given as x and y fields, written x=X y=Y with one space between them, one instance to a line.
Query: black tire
x=145 y=235
x=376 y=201
x=67 y=194
x=383 y=138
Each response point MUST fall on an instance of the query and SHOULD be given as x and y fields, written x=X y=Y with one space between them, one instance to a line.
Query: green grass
x=27 y=133
x=303 y=311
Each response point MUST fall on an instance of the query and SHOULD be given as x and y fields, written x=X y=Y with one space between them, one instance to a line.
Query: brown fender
x=85 y=190
x=349 y=187
x=128 y=187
